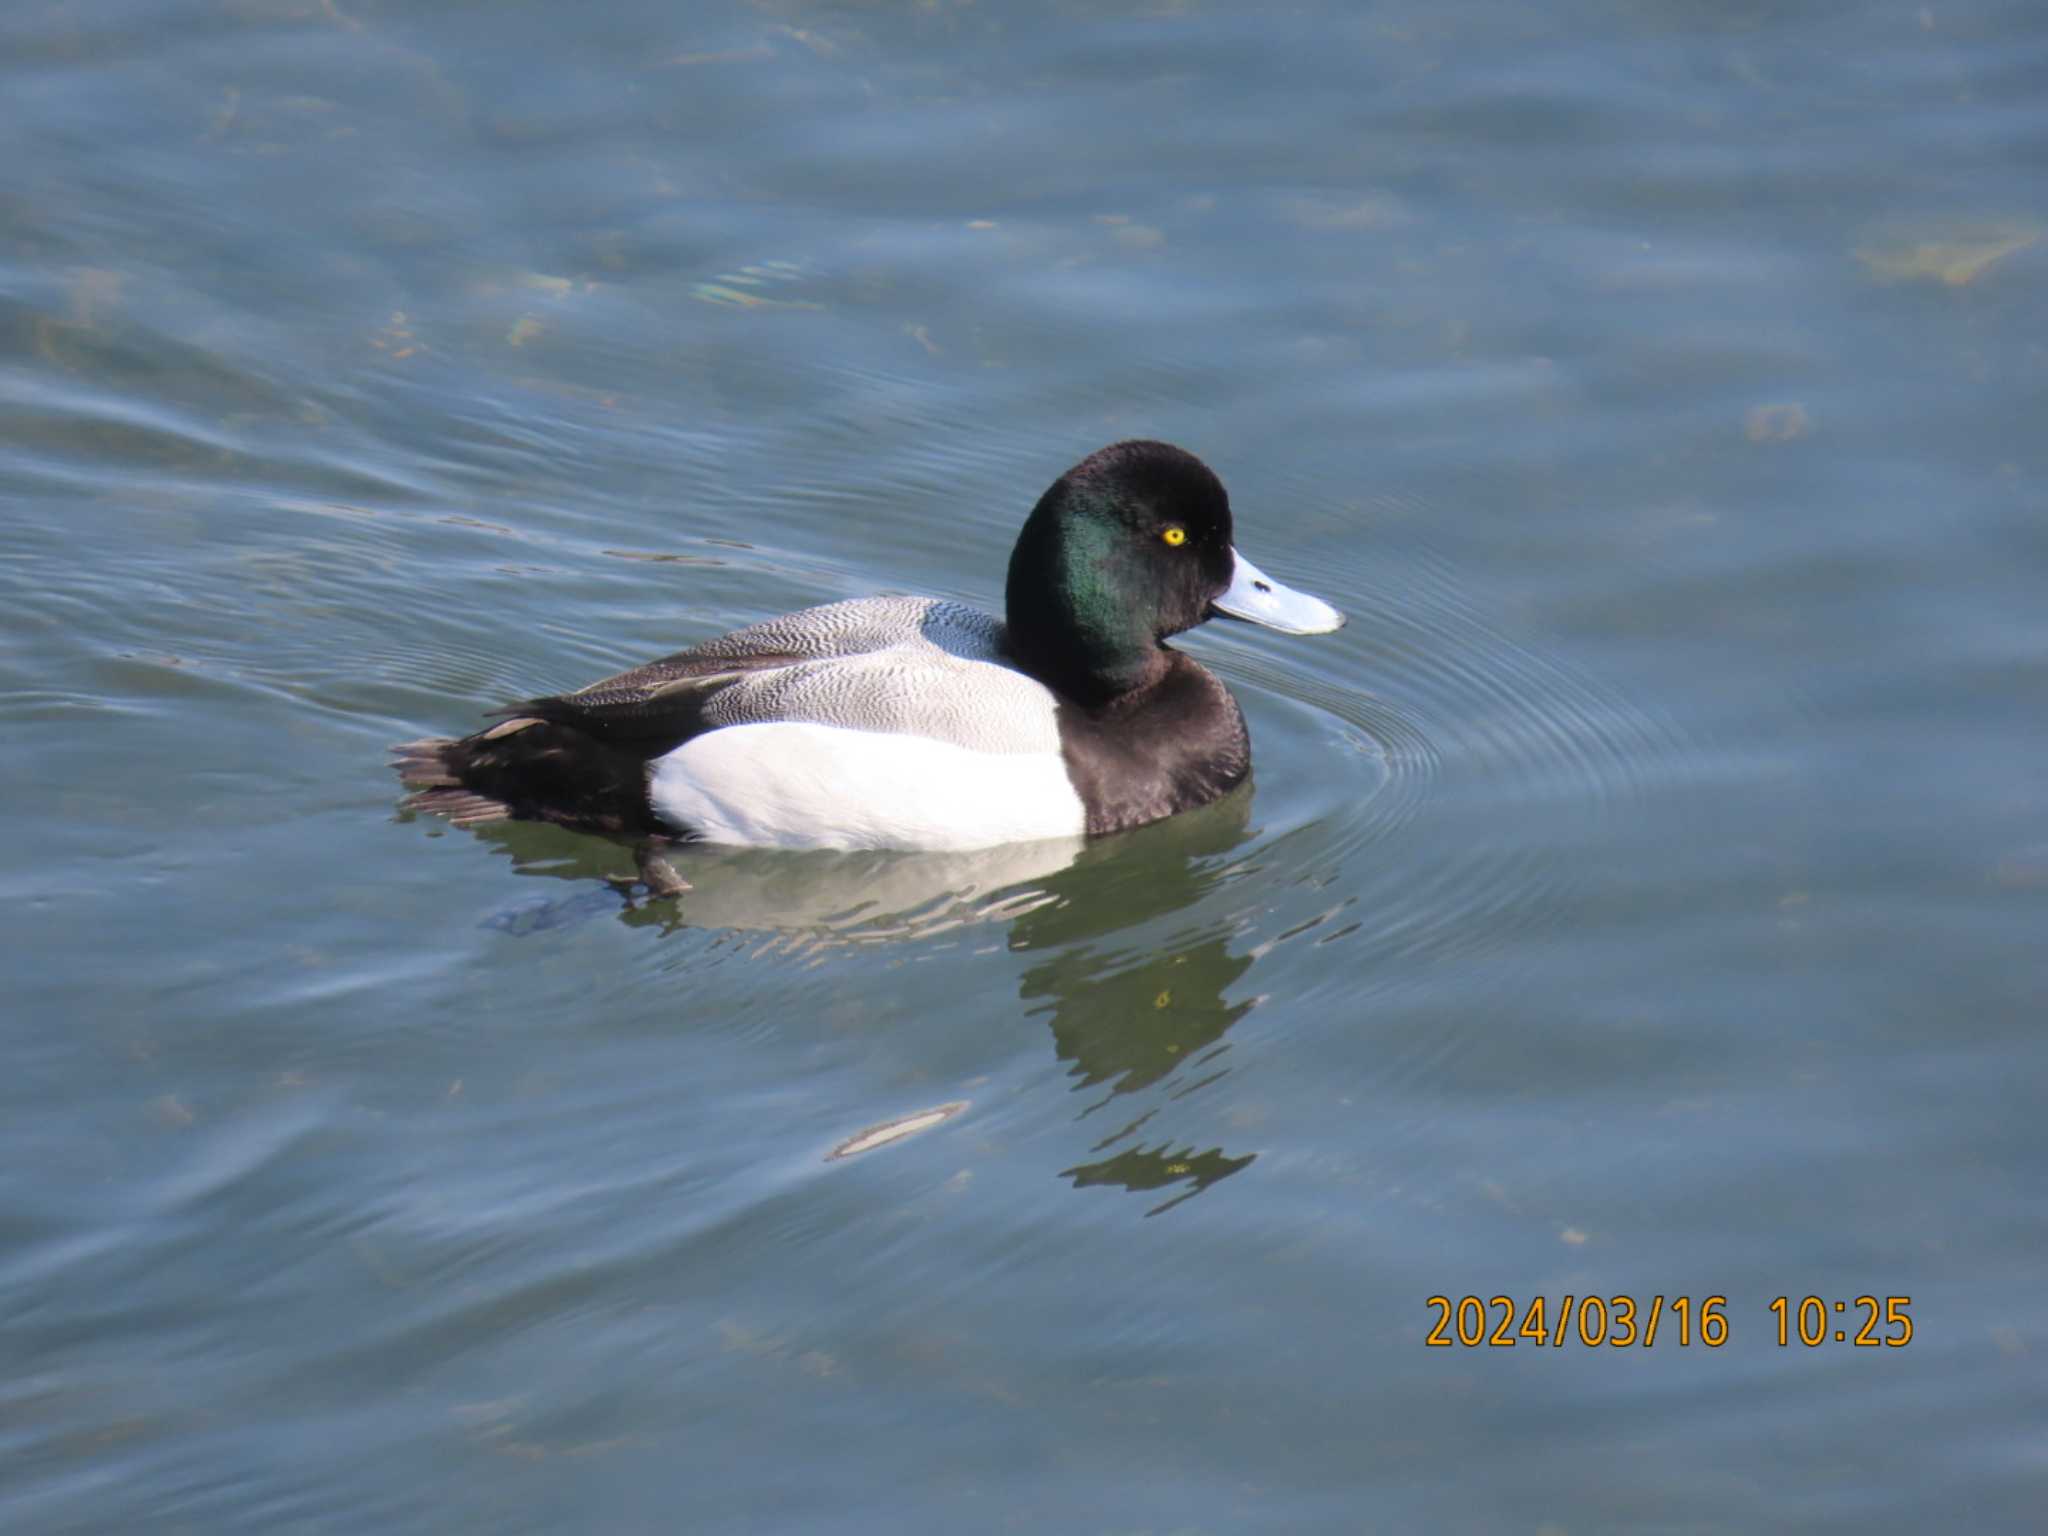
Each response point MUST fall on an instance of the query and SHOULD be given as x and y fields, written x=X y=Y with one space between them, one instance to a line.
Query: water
x=1642 y=896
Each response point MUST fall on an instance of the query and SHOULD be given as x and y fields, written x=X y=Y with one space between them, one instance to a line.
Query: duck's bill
x=1255 y=596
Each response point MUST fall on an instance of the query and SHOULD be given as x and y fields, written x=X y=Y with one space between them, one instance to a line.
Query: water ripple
x=1452 y=718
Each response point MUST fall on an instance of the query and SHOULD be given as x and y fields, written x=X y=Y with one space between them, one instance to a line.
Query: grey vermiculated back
x=912 y=665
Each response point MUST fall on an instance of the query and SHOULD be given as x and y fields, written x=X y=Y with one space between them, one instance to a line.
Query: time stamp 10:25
x=1623 y=1322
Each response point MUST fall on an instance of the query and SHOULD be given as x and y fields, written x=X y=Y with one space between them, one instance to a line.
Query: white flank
x=788 y=785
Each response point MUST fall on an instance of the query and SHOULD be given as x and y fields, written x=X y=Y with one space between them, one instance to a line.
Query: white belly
x=785 y=785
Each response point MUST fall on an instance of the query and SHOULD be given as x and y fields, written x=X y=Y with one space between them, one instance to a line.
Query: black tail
x=530 y=770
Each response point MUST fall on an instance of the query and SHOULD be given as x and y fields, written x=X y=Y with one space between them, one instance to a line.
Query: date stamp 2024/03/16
x=1623 y=1322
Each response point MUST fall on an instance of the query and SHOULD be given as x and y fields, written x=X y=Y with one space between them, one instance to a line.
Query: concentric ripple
x=1455 y=776
x=1426 y=787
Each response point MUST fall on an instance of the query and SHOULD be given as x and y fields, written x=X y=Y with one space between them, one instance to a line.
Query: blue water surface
x=1641 y=898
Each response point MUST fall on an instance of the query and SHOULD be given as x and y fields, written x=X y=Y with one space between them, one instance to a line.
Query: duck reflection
x=1128 y=1018
x=1139 y=1169
x=1124 y=1016
x=813 y=900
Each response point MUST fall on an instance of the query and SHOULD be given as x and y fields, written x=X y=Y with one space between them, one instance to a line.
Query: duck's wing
x=661 y=702
x=889 y=664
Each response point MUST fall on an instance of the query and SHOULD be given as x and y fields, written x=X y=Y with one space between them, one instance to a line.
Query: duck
x=917 y=723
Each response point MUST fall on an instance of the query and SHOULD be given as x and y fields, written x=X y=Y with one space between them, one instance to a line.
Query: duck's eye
x=1176 y=536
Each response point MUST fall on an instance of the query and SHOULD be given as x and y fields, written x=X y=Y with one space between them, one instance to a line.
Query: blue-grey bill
x=1254 y=595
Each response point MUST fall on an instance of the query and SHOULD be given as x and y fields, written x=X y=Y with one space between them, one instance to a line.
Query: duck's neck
x=1071 y=623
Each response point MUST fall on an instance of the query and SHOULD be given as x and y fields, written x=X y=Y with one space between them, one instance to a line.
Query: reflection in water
x=1130 y=1027
x=1131 y=1015
x=804 y=901
x=1124 y=1015
x=1139 y=1169
x=538 y=916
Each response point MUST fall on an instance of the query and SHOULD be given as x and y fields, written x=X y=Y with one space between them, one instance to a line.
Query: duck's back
x=913 y=666
x=902 y=726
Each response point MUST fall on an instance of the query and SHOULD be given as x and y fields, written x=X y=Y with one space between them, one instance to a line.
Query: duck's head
x=1129 y=546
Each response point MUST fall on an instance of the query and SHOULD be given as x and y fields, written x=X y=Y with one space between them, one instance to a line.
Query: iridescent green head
x=1131 y=545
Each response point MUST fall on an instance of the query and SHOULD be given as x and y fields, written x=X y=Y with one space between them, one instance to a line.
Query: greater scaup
x=910 y=722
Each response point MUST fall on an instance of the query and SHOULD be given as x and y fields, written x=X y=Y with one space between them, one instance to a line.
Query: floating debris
x=1777 y=423
x=395 y=338
x=735 y=288
x=223 y=117
x=1955 y=261
x=895 y=1130
x=817 y=42
x=544 y=282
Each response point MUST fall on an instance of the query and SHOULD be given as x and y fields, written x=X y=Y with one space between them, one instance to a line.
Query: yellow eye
x=1175 y=536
